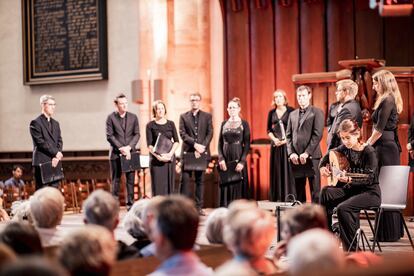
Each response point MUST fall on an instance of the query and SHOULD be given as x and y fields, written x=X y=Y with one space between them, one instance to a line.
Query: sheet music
x=282 y=129
x=144 y=160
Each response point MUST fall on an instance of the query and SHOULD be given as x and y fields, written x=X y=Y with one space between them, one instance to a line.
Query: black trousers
x=38 y=180
x=116 y=173
x=314 y=183
x=199 y=186
x=348 y=202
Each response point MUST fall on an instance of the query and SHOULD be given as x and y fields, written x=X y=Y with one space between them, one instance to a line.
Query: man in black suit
x=346 y=91
x=196 y=130
x=122 y=133
x=47 y=140
x=303 y=134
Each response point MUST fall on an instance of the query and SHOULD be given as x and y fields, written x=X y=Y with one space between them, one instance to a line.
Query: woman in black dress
x=384 y=139
x=351 y=195
x=234 y=145
x=162 y=166
x=410 y=144
x=281 y=178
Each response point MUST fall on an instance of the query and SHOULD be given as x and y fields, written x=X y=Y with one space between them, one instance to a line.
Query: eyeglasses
x=194 y=100
x=51 y=104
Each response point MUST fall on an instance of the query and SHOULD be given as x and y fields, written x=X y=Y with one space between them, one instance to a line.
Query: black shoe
x=129 y=207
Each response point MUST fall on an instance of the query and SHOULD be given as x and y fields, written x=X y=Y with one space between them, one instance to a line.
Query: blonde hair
x=47 y=206
x=283 y=92
x=235 y=100
x=389 y=86
x=349 y=85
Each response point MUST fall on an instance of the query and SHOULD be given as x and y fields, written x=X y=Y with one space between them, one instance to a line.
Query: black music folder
x=303 y=170
x=163 y=144
x=51 y=174
x=230 y=175
x=191 y=163
x=132 y=164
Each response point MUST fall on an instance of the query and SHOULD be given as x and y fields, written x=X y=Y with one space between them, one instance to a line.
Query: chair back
x=393 y=181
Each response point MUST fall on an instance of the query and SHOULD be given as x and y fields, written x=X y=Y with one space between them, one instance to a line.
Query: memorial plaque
x=64 y=41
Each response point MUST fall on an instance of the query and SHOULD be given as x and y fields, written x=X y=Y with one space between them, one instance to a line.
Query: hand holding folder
x=163 y=144
x=51 y=173
x=230 y=176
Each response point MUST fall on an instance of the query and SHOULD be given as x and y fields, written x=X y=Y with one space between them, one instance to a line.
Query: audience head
x=150 y=213
x=47 y=207
x=33 y=266
x=101 y=208
x=17 y=171
x=48 y=104
x=215 y=224
x=303 y=95
x=345 y=90
x=363 y=259
x=22 y=237
x=20 y=211
x=302 y=218
x=384 y=83
x=279 y=98
x=175 y=227
x=133 y=221
x=7 y=255
x=159 y=110
x=249 y=232
x=121 y=103
x=234 y=107
x=90 y=250
x=314 y=252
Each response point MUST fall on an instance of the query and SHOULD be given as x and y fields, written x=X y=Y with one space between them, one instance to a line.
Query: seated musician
x=353 y=191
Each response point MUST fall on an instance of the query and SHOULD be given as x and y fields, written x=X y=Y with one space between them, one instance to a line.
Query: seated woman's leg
x=329 y=198
x=348 y=215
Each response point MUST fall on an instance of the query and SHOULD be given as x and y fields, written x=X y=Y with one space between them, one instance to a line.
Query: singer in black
x=234 y=145
x=122 y=133
x=281 y=177
x=162 y=166
x=384 y=139
x=196 y=131
x=351 y=194
x=47 y=140
x=303 y=134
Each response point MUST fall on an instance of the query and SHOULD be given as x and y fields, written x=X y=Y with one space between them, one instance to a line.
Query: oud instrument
x=338 y=164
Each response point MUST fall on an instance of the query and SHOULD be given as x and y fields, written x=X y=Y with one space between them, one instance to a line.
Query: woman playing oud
x=352 y=193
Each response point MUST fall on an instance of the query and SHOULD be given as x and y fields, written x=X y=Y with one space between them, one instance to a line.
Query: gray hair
x=47 y=206
x=102 y=209
x=133 y=221
x=88 y=250
x=215 y=224
x=314 y=250
x=45 y=98
x=349 y=85
x=20 y=211
x=249 y=232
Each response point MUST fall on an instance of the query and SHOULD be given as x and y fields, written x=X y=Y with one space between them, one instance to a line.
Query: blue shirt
x=183 y=263
x=11 y=182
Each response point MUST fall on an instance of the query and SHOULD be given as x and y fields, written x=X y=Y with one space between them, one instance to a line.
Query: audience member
x=134 y=225
x=6 y=255
x=248 y=233
x=47 y=207
x=174 y=231
x=22 y=238
x=90 y=250
x=101 y=208
x=3 y=215
x=314 y=252
x=16 y=183
x=33 y=266
x=20 y=211
x=215 y=224
x=295 y=221
x=148 y=216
